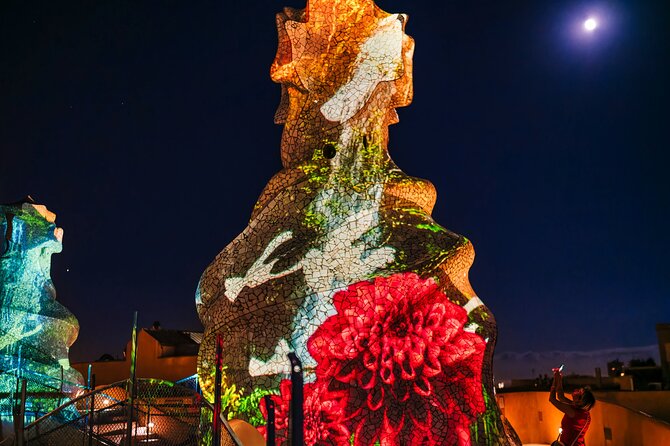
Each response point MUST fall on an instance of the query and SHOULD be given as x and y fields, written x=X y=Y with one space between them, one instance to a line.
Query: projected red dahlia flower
x=281 y=412
x=398 y=350
x=323 y=416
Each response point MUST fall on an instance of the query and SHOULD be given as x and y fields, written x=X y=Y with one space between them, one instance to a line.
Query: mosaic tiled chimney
x=342 y=263
x=36 y=331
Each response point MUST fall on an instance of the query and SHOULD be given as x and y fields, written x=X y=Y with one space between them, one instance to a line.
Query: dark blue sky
x=148 y=128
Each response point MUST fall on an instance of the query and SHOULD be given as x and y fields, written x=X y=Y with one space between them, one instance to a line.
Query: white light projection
x=345 y=241
x=342 y=263
x=379 y=60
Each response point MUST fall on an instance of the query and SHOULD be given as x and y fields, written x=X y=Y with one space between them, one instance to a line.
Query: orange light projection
x=342 y=263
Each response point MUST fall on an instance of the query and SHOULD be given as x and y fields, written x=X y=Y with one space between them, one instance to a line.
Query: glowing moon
x=590 y=24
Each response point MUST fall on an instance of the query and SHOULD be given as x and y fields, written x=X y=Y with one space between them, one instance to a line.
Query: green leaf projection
x=36 y=331
x=342 y=263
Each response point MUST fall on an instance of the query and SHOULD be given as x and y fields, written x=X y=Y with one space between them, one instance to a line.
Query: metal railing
x=45 y=392
x=163 y=413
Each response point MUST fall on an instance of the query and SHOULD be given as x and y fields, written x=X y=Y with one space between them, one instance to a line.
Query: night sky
x=147 y=126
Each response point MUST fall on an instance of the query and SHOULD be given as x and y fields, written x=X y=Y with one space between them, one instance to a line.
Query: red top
x=572 y=426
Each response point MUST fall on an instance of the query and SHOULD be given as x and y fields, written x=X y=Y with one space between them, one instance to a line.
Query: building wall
x=654 y=403
x=106 y=372
x=537 y=421
x=149 y=364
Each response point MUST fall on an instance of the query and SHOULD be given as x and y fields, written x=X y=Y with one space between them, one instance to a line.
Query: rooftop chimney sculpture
x=36 y=331
x=342 y=263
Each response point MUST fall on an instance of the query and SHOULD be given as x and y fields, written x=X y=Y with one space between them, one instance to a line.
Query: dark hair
x=588 y=400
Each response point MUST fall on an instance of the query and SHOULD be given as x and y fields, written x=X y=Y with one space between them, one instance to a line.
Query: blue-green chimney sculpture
x=36 y=331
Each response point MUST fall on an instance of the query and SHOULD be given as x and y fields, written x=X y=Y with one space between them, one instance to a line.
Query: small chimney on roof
x=156 y=325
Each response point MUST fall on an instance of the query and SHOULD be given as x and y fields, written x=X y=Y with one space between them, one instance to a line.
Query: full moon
x=590 y=24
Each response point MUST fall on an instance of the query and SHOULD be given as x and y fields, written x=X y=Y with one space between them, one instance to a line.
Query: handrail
x=60 y=426
x=225 y=423
x=74 y=400
x=27 y=373
x=187 y=378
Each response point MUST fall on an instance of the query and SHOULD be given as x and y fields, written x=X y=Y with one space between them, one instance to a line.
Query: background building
x=163 y=354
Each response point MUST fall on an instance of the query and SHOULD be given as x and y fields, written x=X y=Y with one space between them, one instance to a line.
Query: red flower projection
x=323 y=412
x=394 y=365
x=281 y=412
x=397 y=351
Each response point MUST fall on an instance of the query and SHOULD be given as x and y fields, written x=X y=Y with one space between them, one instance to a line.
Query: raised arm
x=563 y=406
x=558 y=379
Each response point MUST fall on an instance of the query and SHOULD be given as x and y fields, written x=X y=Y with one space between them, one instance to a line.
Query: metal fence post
x=20 y=438
x=296 y=426
x=216 y=422
x=91 y=409
x=270 y=406
x=149 y=423
x=62 y=381
x=131 y=382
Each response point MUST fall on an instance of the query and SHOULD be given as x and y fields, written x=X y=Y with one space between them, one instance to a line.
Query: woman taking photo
x=577 y=418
